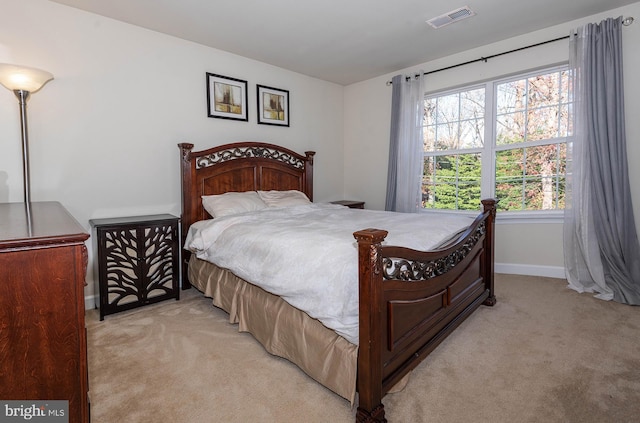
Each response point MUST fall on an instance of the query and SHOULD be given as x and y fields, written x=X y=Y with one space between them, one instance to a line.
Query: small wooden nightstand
x=350 y=203
x=137 y=261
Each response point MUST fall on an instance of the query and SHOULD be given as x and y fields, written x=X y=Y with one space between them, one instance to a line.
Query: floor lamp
x=24 y=81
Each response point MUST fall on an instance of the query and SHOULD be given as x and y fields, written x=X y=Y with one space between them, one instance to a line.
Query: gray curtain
x=601 y=249
x=404 y=175
x=392 y=170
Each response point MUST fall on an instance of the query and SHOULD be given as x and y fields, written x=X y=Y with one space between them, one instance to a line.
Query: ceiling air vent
x=451 y=17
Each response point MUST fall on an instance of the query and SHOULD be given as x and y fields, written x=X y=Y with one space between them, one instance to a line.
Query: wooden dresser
x=43 y=341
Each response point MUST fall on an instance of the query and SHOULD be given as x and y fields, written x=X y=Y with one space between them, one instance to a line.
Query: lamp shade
x=23 y=78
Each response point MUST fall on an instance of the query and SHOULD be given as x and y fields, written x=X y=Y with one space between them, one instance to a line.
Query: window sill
x=505 y=217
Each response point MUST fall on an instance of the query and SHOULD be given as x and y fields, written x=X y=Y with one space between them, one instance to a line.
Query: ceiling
x=342 y=41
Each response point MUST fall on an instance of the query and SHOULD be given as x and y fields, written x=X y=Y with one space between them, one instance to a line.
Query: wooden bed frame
x=410 y=301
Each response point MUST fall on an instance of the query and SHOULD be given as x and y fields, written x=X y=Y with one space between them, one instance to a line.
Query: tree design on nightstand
x=123 y=270
x=158 y=267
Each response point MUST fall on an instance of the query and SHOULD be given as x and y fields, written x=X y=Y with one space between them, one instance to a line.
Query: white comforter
x=307 y=254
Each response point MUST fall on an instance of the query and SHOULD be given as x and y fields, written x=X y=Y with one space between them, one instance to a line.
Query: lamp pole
x=23 y=96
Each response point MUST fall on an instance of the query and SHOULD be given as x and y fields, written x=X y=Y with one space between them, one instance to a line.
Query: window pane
x=472 y=104
x=511 y=97
x=564 y=86
x=448 y=107
x=532 y=109
x=429 y=117
x=452 y=182
x=542 y=123
x=560 y=192
x=544 y=90
x=429 y=134
x=532 y=195
x=531 y=178
x=428 y=182
x=447 y=136
x=469 y=196
x=448 y=122
x=563 y=128
x=509 y=175
x=510 y=128
x=455 y=121
x=510 y=195
x=469 y=178
x=472 y=133
x=428 y=172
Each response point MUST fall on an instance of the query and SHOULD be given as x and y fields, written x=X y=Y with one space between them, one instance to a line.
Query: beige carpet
x=544 y=353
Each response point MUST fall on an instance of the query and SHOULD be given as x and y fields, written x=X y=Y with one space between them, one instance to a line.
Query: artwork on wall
x=273 y=106
x=226 y=97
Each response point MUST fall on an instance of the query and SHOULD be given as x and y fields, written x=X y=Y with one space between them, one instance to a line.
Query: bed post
x=489 y=206
x=308 y=174
x=186 y=177
x=369 y=382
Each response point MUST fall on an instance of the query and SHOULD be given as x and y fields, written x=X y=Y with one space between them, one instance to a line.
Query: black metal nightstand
x=137 y=261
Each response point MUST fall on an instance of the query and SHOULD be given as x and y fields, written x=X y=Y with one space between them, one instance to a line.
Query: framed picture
x=227 y=97
x=273 y=106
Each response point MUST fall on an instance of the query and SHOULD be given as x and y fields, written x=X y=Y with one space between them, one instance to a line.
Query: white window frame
x=488 y=151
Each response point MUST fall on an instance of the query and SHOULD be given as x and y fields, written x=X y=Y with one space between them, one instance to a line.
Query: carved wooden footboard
x=411 y=300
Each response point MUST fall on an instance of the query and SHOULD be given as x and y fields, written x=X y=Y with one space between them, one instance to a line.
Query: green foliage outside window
x=452 y=182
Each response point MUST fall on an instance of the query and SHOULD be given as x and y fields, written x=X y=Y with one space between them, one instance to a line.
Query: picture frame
x=273 y=106
x=227 y=97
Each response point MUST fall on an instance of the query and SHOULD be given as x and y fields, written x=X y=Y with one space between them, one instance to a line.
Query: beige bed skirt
x=318 y=351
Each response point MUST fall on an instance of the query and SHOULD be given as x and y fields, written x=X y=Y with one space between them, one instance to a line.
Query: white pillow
x=284 y=198
x=232 y=203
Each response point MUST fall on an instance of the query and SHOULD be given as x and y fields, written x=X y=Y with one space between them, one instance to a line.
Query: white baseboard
x=90 y=302
x=531 y=270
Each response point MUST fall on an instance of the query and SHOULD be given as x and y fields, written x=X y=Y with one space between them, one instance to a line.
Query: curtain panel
x=601 y=249
x=404 y=175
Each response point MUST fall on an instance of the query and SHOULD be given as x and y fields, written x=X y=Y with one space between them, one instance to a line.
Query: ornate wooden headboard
x=242 y=166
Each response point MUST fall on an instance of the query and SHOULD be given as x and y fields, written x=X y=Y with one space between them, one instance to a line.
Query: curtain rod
x=626 y=22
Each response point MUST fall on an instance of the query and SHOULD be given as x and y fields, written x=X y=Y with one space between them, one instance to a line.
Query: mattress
x=307 y=254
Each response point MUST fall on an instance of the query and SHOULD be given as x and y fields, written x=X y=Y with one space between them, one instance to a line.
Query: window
x=504 y=139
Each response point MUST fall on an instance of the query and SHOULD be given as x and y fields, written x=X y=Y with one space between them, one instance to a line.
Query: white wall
x=104 y=132
x=520 y=248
